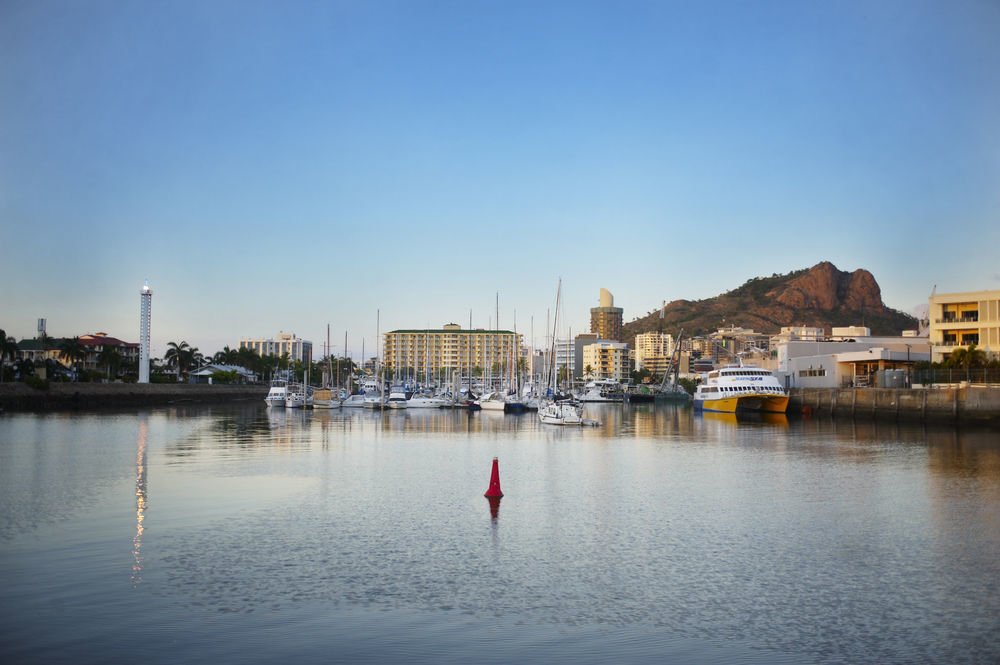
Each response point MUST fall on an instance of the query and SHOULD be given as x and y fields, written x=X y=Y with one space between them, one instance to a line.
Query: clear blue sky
x=283 y=165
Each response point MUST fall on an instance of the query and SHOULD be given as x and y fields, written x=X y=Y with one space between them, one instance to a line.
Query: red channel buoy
x=494 y=489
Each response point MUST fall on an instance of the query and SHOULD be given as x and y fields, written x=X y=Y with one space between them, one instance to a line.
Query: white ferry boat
x=735 y=388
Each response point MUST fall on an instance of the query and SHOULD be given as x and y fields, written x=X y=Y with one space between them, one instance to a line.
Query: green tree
x=687 y=384
x=8 y=349
x=73 y=351
x=110 y=359
x=182 y=356
x=966 y=357
x=588 y=371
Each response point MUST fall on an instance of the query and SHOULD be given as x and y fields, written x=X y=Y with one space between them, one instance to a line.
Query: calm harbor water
x=239 y=534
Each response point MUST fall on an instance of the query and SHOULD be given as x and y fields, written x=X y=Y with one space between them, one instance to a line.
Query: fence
x=955 y=375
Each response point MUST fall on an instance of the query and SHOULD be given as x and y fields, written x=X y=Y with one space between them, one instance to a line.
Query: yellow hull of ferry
x=760 y=403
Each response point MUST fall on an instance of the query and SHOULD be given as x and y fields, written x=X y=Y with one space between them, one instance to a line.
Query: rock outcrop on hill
x=821 y=296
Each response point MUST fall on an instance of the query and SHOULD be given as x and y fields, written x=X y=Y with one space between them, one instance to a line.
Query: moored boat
x=397 y=398
x=735 y=388
x=353 y=401
x=324 y=398
x=277 y=394
x=493 y=401
x=299 y=396
x=425 y=401
x=602 y=390
x=566 y=412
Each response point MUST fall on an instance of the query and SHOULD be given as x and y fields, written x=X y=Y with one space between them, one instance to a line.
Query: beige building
x=653 y=351
x=607 y=360
x=963 y=319
x=450 y=349
x=606 y=320
x=296 y=348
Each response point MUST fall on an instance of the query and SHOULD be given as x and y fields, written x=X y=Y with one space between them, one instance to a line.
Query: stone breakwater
x=955 y=404
x=65 y=396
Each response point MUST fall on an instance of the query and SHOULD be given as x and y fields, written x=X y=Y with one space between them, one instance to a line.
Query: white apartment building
x=296 y=348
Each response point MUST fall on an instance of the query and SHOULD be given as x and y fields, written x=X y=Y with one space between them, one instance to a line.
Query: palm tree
x=179 y=356
x=588 y=371
x=110 y=359
x=72 y=351
x=967 y=357
x=8 y=347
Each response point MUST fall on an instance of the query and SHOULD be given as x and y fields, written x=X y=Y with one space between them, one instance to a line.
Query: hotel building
x=296 y=348
x=449 y=349
x=963 y=319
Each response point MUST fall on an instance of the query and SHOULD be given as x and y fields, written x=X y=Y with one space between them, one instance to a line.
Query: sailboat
x=552 y=412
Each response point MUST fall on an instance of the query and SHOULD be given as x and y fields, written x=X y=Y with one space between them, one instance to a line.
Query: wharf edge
x=969 y=404
x=18 y=396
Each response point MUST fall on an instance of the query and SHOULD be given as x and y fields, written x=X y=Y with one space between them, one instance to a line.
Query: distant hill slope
x=821 y=297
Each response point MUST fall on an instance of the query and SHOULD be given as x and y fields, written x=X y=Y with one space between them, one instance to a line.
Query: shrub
x=36 y=383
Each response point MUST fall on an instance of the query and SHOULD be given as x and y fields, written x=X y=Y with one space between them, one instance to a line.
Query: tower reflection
x=140 y=503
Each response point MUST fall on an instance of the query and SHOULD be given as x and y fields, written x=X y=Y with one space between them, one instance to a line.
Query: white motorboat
x=298 y=397
x=371 y=388
x=424 y=401
x=492 y=401
x=276 y=395
x=602 y=390
x=397 y=398
x=566 y=412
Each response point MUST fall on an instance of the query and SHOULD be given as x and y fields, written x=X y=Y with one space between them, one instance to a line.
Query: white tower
x=144 y=315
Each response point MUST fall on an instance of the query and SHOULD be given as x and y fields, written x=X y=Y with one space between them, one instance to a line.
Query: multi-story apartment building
x=606 y=359
x=448 y=350
x=653 y=351
x=963 y=319
x=566 y=355
x=296 y=348
x=606 y=320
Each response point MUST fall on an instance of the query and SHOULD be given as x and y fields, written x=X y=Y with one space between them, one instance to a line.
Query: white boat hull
x=560 y=413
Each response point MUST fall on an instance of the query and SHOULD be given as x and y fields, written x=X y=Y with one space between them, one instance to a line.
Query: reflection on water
x=833 y=541
x=140 y=501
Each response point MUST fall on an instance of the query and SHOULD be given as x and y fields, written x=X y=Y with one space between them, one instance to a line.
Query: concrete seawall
x=969 y=404
x=66 y=396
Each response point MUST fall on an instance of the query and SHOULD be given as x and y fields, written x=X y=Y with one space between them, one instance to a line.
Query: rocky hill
x=821 y=296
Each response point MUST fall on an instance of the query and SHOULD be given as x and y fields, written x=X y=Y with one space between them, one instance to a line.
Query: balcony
x=955 y=342
x=966 y=318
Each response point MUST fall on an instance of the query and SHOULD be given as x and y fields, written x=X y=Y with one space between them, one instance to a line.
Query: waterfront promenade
x=60 y=396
